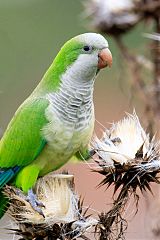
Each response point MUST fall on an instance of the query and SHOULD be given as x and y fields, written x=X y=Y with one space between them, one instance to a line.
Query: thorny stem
x=115 y=213
x=150 y=99
x=138 y=82
x=133 y=64
x=156 y=57
x=147 y=7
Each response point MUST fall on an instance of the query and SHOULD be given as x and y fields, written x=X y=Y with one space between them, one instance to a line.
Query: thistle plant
x=63 y=216
x=117 y=19
x=129 y=160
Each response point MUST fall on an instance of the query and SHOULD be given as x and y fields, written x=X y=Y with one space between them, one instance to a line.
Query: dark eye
x=87 y=48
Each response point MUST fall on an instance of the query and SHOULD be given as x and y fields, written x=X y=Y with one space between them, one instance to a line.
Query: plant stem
x=156 y=58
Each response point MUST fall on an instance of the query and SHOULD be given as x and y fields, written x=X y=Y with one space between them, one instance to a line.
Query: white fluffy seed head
x=56 y=193
x=122 y=142
x=108 y=14
x=62 y=212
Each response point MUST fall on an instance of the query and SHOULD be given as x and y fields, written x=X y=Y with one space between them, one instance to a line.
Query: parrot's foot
x=35 y=203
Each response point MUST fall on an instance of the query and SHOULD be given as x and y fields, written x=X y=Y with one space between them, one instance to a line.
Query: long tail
x=6 y=175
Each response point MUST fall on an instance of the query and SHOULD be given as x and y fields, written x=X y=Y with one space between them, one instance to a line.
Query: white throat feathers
x=73 y=103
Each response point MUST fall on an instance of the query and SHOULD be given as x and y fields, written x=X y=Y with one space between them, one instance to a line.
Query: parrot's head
x=85 y=55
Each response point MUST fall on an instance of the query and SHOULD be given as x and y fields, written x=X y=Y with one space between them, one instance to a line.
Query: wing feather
x=23 y=139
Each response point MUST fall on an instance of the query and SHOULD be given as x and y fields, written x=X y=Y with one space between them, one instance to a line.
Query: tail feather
x=6 y=174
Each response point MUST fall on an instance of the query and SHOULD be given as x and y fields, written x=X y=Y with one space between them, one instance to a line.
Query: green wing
x=23 y=140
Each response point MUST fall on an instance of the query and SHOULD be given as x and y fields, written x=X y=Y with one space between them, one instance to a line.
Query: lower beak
x=104 y=58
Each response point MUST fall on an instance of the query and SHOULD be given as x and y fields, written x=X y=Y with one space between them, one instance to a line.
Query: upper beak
x=104 y=58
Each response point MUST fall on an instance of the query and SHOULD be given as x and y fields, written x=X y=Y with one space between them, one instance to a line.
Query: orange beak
x=104 y=58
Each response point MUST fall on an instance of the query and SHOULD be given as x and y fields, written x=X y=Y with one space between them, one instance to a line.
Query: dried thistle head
x=127 y=156
x=63 y=217
x=128 y=159
x=112 y=16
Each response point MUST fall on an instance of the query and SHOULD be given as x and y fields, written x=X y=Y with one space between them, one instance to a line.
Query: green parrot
x=56 y=122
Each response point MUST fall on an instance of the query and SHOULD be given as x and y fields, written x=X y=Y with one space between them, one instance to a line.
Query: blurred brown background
x=31 y=33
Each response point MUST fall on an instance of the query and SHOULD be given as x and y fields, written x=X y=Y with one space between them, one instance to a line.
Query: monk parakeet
x=56 y=121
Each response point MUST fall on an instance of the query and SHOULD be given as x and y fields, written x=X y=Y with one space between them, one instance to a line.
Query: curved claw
x=35 y=203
